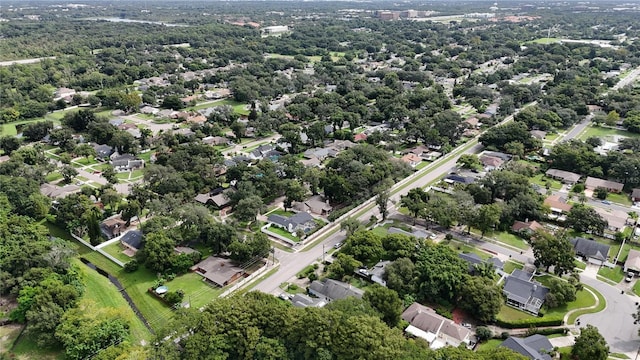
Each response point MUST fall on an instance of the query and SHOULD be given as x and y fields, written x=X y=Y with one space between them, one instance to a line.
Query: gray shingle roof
x=335 y=290
x=132 y=238
x=530 y=346
x=522 y=290
x=590 y=248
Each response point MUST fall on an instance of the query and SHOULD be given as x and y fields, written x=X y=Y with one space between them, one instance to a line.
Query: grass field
x=282 y=232
x=509 y=266
x=138 y=282
x=104 y=294
x=545 y=41
x=619 y=198
x=28 y=348
x=238 y=107
x=616 y=274
x=490 y=344
x=599 y=131
x=601 y=305
x=115 y=250
x=542 y=180
x=504 y=237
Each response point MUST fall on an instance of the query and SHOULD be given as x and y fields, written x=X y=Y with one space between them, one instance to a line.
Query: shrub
x=527 y=323
x=483 y=333
x=313 y=277
x=173 y=297
x=131 y=266
x=504 y=335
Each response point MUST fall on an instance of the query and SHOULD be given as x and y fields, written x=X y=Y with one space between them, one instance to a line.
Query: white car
x=629 y=277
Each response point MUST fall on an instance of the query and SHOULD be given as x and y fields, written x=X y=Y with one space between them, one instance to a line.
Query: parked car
x=337 y=245
x=629 y=277
x=606 y=202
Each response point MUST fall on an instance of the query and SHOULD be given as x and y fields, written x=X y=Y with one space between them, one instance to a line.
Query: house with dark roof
x=593 y=183
x=315 y=204
x=591 y=250
x=635 y=195
x=217 y=198
x=329 y=290
x=300 y=221
x=103 y=151
x=458 y=179
x=261 y=151
x=523 y=293
x=377 y=272
x=125 y=162
x=132 y=241
x=566 y=177
x=475 y=260
x=437 y=330
x=535 y=347
x=218 y=271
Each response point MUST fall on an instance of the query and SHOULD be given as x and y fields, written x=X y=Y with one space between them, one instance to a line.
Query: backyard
x=115 y=250
x=543 y=181
x=601 y=132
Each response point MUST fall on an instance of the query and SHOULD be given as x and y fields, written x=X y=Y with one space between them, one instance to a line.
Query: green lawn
x=619 y=198
x=583 y=300
x=86 y=161
x=282 y=232
x=551 y=136
x=599 y=131
x=53 y=176
x=380 y=231
x=616 y=274
x=545 y=40
x=115 y=250
x=280 y=212
x=504 y=237
x=490 y=344
x=28 y=348
x=636 y=288
x=509 y=266
x=618 y=356
x=543 y=181
x=238 y=107
x=146 y=156
x=565 y=352
x=104 y=294
x=579 y=264
x=196 y=290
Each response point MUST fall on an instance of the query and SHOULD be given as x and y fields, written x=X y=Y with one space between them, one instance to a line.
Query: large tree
x=365 y=246
x=386 y=301
x=553 y=250
x=590 y=345
x=440 y=272
x=582 y=218
x=481 y=297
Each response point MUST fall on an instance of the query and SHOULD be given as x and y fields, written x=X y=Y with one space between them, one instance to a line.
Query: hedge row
x=527 y=323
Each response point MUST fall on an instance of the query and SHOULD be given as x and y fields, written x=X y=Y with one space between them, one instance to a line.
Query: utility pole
x=323 y=253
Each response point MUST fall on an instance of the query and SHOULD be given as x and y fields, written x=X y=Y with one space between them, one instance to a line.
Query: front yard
x=616 y=274
x=544 y=181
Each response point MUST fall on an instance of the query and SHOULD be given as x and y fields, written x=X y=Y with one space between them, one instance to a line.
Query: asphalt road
x=614 y=322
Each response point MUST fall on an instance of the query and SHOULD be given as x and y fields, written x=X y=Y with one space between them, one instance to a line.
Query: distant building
x=329 y=290
x=272 y=30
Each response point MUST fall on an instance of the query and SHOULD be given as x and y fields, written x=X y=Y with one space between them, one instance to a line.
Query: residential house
x=304 y=300
x=591 y=250
x=458 y=179
x=566 y=177
x=216 y=140
x=431 y=155
x=320 y=153
x=535 y=347
x=340 y=145
x=132 y=241
x=526 y=227
x=103 y=152
x=593 y=183
x=55 y=191
x=125 y=162
x=112 y=227
x=149 y=110
x=473 y=122
x=633 y=262
x=218 y=271
x=116 y=122
x=538 y=134
x=635 y=195
x=217 y=198
x=166 y=113
x=315 y=204
x=63 y=93
x=411 y=159
x=474 y=260
x=261 y=151
x=524 y=293
x=437 y=330
x=616 y=219
x=558 y=206
x=300 y=221
x=377 y=272
x=491 y=162
x=360 y=137
x=329 y=290
x=313 y=162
